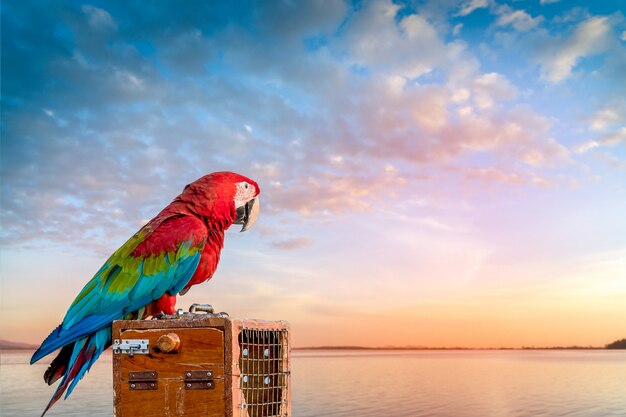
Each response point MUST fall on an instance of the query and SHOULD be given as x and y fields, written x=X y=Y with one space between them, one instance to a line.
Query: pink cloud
x=497 y=175
x=292 y=244
x=329 y=193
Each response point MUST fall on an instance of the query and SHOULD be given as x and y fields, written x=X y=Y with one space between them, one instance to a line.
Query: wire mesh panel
x=264 y=365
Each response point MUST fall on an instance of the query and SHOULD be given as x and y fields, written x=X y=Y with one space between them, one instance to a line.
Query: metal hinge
x=138 y=381
x=199 y=380
x=131 y=347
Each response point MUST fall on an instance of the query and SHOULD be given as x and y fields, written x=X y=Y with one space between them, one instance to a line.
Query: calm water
x=385 y=383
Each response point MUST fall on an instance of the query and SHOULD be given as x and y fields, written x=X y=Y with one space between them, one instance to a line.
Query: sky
x=432 y=173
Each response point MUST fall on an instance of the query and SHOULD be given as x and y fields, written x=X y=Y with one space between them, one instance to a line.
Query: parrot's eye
x=245 y=186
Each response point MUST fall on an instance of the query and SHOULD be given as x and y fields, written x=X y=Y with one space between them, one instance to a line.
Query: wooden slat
x=201 y=349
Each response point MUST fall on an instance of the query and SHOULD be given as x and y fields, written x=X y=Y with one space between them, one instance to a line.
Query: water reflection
x=384 y=383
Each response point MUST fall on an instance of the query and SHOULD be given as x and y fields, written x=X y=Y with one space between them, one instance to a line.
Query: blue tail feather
x=85 y=352
x=61 y=337
x=98 y=342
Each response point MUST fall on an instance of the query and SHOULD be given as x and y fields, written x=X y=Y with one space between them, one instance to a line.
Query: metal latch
x=199 y=380
x=131 y=347
x=143 y=380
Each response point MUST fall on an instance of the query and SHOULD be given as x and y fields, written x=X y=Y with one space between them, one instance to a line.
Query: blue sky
x=432 y=163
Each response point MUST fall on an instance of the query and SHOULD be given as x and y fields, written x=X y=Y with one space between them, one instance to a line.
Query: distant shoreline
x=8 y=345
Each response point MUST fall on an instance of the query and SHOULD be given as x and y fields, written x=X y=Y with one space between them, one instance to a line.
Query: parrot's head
x=224 y=197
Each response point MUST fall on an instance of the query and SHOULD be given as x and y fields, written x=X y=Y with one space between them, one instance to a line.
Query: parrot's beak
x=247 y=214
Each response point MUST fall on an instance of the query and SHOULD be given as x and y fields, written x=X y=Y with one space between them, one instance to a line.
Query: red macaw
x=178 y=248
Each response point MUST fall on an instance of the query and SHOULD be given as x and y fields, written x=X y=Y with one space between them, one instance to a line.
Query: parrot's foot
x=163 y=316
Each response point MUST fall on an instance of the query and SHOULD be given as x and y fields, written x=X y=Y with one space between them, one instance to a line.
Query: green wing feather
x=126 y=283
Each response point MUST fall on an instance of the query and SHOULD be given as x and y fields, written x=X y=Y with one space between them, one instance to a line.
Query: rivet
x=132 y=386
x=188 y=385
x=208 y=384
x=188 y=373
x=152 y=384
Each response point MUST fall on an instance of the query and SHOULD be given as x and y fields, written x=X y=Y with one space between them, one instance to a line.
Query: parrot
x=177 y=249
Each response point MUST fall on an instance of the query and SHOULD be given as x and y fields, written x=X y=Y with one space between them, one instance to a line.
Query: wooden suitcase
x=201 y=365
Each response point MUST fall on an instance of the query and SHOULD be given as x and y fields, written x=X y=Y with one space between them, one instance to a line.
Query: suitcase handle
x=205 y=308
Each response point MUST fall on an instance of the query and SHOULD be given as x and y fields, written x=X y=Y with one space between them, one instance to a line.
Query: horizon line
x=618 y=344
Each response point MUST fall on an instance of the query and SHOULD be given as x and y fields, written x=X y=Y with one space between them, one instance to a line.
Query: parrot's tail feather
x=58 y=366
x=71 y=371
x=43 y=351
x=61 y=337
x=74 y=361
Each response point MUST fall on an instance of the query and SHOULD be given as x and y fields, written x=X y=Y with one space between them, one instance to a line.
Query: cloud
x=438 y=225
x=188 y=52
x=492 y=174
x=410 y=47
x=611 y=160
x=604 y=117
x=492 y=88
x=547 y=153
x=608 y=124
x=327 y=194
x=468 y=6
x=99 y=19
x=558 y=57
x=518 y=134
x=292 y=244
x=613 y=138
x=519 y=19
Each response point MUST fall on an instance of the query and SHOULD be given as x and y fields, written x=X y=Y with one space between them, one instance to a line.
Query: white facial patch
x=244 y=193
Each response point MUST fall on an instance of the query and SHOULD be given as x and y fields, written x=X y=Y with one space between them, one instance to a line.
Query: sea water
x=589 y=383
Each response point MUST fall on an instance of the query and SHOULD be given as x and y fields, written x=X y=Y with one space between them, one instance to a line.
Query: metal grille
x=264 y=365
